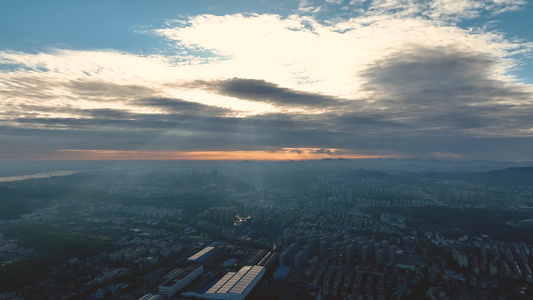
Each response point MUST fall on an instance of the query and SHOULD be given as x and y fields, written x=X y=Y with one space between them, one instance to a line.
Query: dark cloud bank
x=424 y=101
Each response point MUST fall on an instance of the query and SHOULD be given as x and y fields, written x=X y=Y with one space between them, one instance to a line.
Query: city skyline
x=262 y=80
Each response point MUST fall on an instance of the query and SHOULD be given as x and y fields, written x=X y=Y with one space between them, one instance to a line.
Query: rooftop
x=201 y=253
x=236 y=282
x=182 y=274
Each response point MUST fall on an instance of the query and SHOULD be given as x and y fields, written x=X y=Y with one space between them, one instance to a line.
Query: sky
x=266 y=80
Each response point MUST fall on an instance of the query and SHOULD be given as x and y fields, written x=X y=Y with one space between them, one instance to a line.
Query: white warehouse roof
x=237 y=283
x=201 y=253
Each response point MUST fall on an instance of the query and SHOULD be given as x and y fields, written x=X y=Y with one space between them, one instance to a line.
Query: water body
x=37 y=176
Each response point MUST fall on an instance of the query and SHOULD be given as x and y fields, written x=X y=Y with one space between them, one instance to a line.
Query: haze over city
x=266 y=150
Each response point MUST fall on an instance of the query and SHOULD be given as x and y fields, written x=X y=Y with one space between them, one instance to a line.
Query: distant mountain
x=391 y=165
x=509 y=176
x=418 y=165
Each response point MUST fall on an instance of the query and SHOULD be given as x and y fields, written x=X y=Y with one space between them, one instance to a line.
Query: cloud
x=433 y=71
x=188 y=133
x=306 y=6
x=468 y=9
x=441 y=10
x=326 y=151
x=447 y=155
x=377 y=83
x=449 y=88
x=183 y=107
x=101 y=91
x=301 y=53
x=263 y=91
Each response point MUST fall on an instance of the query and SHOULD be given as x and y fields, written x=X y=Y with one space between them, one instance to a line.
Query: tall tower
x=365 y=253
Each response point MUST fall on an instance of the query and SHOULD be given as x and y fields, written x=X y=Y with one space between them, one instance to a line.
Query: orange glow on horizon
x=280 y=155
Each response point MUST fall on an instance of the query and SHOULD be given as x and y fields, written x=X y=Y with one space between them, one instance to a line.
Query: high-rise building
x=493 y=268
x=324 y=249
x=299 y=259
x=360 y=244
x=313 y=245
x=349 y=197
x=336 y=249
x=349 y=253
x=286 y=257
x=306 y=251
x=398 y=255
x=409 y=243
x=380 y=256
x=385 y=246
x=287 y=240
x=392 y=251
x=300 y=241
x=365 y=253
x=371 y=243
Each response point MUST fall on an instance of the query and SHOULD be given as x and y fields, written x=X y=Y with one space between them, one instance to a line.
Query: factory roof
x=182 y=274
x=201 y=253
x=236 y=282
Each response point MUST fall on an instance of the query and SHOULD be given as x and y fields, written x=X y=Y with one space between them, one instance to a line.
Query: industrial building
x=202 y=255
x=151 y=297
x=235 y=285
x=182 y=278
